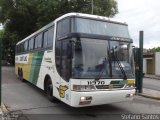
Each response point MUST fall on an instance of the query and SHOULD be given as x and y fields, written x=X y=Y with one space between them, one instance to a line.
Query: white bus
x=80 y=59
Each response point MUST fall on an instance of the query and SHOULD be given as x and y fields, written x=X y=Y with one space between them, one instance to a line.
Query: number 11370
x=96 y=82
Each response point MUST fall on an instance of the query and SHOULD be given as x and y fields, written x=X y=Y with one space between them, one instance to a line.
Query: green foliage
x=1 y=33
x=105 y=7
x=8 y=45
x=23 y=17
x=18 y=17
x=26 y=16
x=155 y=49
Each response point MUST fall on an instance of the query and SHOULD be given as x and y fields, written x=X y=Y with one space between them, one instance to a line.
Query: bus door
x=65 y=71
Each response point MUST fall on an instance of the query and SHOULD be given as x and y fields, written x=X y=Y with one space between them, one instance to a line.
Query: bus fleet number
x=96 y=82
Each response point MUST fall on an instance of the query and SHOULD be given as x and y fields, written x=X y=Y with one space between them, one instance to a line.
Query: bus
x=80 y=59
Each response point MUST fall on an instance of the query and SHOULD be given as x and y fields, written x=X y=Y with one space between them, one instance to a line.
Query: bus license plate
x=96 y=82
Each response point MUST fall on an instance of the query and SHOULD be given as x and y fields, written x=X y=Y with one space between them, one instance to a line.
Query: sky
x=141 y=15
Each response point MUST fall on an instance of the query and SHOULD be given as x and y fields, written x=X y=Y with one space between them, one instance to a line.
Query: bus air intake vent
x=111 y=86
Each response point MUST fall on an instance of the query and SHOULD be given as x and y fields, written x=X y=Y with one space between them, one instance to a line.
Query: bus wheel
x=20 y=74
x=49 y=90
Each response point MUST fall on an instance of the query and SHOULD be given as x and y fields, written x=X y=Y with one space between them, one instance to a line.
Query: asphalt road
x=151 y=84
x=27 y=100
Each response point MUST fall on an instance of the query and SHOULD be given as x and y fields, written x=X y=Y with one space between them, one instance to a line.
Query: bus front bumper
x=82 y=99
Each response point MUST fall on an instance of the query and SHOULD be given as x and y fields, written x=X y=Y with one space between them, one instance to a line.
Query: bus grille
x=111 y=86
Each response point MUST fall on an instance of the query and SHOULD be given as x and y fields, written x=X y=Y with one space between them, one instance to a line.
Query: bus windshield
x=94 y=57
x=91 y=26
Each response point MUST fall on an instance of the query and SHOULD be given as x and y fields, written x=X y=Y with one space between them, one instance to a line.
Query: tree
x=8 y=45
x=22 y=17
x=57 y=8
x=25 y=16
x=155 y=49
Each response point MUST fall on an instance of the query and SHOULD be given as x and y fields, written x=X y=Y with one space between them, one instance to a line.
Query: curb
x=152 y=77
x=149 y=96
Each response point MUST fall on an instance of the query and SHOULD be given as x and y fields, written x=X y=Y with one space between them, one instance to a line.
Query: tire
x=49 y=90
x=20 y=75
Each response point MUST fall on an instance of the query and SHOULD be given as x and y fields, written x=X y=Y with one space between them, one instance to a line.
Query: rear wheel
x=49 y=90
x=20 y=75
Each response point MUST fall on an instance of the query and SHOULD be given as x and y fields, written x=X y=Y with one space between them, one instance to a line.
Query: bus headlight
x=83 y=87
x=89 y=98
x=85 y=100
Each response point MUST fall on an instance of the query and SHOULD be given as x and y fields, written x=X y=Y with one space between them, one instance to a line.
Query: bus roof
x=92 y=16
x=74 y=14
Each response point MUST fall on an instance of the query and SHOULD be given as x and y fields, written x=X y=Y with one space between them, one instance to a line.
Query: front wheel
x=49 y=91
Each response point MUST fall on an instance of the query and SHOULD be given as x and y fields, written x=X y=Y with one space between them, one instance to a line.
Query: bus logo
x=62 y=90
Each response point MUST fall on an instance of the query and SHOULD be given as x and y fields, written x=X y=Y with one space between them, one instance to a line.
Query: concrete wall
x=157 y=63
x=144 y=65
x=149 y=65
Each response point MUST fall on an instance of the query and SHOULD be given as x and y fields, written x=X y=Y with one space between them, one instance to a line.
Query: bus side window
x=31 y=42
x=66 y=61
x=22 y=47
x=26 y=46
x=39 y=37
x=63 y=28
x=63 y=62
x=50 y=37
x=58 y=56
x=45 y=39
x=36 y=42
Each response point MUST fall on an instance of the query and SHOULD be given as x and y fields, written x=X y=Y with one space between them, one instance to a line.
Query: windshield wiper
x=110 y=67
x=120 y=66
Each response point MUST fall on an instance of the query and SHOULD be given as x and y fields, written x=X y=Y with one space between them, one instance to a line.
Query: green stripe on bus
x=118 y=82
x=36 y=64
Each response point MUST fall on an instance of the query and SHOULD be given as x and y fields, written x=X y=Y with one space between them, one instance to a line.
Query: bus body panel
x=101 y=97
x=23 y=62
x=30 y=66
x=46 y=68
